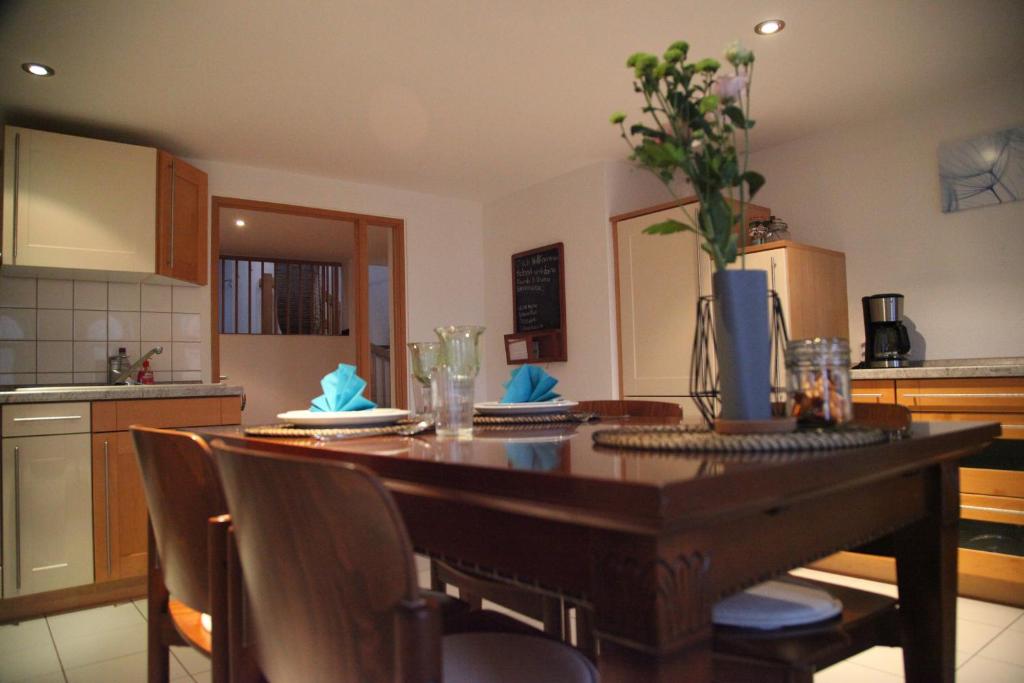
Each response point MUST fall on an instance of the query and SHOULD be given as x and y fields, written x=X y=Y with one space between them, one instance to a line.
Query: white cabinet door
x=78 y=203
x=47 y=513
x=660 y=280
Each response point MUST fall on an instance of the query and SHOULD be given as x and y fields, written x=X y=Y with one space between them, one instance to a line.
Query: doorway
x=297 y=290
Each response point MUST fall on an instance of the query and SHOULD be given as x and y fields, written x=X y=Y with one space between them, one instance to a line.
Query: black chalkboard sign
x=538 y=289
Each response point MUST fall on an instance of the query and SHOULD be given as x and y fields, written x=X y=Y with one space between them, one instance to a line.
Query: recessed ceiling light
x=769 y=27
x=239 y=222
x=37 y=69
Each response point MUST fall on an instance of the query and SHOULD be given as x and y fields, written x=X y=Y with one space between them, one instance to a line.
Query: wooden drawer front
x=991 y=576
x=992 y=508
x=170 y=412
x=1012 y=423
x=1006 y=483
x=37 y=419
x=992 y=395
x=873 y=391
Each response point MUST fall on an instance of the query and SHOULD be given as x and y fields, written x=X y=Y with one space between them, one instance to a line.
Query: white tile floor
x=108 y=645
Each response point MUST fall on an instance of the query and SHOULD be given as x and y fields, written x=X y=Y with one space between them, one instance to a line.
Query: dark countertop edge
x=70 y=393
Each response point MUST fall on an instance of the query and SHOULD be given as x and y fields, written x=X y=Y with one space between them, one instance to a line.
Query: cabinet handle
x=14 y=203
x=982 y=395
x=48 y=418
x=17 y=518
x=1012 y=426
x=106 y=502
x=170 y=254
x=983 y=508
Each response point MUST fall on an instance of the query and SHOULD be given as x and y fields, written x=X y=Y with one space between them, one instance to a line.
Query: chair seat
x=867 y=619
x=188 y=623
x=510 y=658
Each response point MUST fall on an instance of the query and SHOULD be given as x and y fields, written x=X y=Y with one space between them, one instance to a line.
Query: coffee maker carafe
x=886 y=341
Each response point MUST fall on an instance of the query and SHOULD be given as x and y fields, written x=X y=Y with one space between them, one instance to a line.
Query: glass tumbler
x=452 y=382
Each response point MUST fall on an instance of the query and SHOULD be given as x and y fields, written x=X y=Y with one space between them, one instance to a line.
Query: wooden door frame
x=360 y=296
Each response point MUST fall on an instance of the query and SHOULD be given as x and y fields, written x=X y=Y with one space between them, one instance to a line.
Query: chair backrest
x=886 y=416
x=328 y=568
x=182 y=493
x=632 y=408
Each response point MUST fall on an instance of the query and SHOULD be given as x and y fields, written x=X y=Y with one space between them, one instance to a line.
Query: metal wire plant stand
x=704 y=384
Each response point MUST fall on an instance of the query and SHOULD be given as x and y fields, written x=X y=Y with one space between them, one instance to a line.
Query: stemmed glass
x=425 y=358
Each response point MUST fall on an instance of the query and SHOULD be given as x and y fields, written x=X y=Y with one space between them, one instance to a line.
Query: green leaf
x=754 y=181
x=709 y=103
x=668 y=227
x=736 y=114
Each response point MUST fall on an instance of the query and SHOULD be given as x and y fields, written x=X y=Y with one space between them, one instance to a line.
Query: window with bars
x=267 y=296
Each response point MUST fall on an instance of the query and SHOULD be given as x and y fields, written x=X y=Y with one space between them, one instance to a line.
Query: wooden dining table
x=650 y=541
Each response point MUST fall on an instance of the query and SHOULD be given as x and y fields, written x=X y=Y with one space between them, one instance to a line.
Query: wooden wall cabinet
x=82 y=208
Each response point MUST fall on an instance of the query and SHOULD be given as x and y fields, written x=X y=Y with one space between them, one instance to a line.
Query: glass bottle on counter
x=818 y=381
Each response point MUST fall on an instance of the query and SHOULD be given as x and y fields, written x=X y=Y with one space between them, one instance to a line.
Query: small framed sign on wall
x=538 y=306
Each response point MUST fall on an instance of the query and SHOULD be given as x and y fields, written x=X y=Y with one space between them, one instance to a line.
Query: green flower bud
x=631 y=62
x=680 y=45
x=617 y=118
x=661 y=70
x=707 y=64
x=645 y=64
x=673 y=56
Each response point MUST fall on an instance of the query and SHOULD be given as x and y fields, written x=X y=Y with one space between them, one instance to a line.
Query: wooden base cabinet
x=119 y=508
x=991 y=552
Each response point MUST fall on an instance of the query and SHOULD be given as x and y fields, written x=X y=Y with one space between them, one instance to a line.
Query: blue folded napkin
x=542 y=457
x=343 y=390
x=529 y=384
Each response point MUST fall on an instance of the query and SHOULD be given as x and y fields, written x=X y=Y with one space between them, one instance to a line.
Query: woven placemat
x=291 y=431
x=525 y=419
x=698 y=439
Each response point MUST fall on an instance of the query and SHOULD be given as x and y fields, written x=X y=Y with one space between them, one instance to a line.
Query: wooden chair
x=187 y=573
x=323 y=546
x=631 y=408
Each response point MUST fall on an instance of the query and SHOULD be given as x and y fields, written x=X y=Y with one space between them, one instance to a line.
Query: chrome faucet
x=128 y=376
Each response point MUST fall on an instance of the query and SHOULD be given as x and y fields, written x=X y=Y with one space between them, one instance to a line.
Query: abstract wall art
x=988 y=169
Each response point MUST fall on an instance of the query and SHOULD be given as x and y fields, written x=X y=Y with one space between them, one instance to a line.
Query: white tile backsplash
x=187 y=299
x=90 y=325
x=156 y=325
x=185 y=327
x=20 y=356
x=156 y=298
x=90 y=296
x=90 y=356
x=18 y=323
x=55 y=324
x=56 y=294
x=17 y=292
x=54 y=356
x=63 y=331
x=124 y=326
x=123 y=296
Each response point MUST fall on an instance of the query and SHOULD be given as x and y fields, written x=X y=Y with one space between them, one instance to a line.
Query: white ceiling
x=467 y=98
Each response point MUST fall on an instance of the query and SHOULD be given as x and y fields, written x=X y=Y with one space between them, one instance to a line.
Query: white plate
x=373 y=416
x=538 y=408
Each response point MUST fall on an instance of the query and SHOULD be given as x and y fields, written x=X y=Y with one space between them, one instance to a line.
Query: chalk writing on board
x=538 y=295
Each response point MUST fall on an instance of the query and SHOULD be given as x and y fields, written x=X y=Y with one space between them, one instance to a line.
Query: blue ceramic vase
x=743 y=344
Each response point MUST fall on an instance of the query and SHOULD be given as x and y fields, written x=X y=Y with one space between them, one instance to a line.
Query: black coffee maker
x=886 y=342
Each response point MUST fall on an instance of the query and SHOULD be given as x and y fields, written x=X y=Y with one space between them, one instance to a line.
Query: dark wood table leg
x=158 y=655
x=926 y=567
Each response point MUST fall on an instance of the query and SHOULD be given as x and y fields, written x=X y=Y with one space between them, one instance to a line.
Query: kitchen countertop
x=112 y=393
x=948 y=369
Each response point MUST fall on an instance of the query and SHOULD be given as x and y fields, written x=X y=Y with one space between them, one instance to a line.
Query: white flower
x=697 y=145
x=730 y=87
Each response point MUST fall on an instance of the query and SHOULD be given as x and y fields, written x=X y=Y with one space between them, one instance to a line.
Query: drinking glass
x=452 y=382
x=425 y=358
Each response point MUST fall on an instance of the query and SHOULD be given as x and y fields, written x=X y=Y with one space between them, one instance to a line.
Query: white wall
x=574 y=209
x=439 y=232
x=872 y=192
